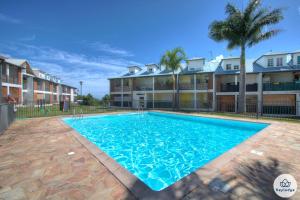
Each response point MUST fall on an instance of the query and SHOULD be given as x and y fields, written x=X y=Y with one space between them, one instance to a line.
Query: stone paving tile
x=35 y=164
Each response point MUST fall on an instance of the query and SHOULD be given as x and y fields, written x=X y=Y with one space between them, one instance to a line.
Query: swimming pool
x=161 y=148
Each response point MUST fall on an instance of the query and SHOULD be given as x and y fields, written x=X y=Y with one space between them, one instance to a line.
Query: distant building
x=272 y=85
x=32 y=86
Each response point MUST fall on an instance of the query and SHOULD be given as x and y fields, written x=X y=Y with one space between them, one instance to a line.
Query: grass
x=54 y=110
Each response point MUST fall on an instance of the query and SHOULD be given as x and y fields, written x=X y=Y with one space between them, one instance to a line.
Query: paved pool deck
x=43 y=158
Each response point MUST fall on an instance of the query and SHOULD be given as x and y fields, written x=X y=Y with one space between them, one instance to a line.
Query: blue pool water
x=161 y=148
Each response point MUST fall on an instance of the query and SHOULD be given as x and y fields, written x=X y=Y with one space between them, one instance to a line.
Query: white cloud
x=9 y=19
x=99 y=46
x=72 y=67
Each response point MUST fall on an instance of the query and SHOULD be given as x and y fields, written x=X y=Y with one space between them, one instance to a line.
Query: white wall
x=196 y=64
x=263 y=61
x=152 y=67
x=295 y=58
x=133 y=69
x=230 y=61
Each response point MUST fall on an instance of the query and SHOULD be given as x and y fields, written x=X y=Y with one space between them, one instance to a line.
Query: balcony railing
x=116 y=89
x=251 y=87
x=163 y=86
x=143 y=88
x=229 y=88
x=281 y=86
x=202 y=86
x=235 y=88
x=126 y=88
x=186 y=86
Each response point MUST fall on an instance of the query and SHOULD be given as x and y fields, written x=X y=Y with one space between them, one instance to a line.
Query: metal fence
x=47 y=110
x=282 y=109
x=7 y=115
x=278 y=109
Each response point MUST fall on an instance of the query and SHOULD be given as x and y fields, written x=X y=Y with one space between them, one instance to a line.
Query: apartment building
x=272 y=85
x=32 y=86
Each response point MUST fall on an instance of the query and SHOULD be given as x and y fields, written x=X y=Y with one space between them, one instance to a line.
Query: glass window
x=279 y=61
x=236 y=67
x=228 y=66
x=298 y=60
x=270 y=62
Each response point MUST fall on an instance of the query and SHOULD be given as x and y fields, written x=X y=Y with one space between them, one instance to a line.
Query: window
x=298 y=60
x=279 y=62
x=270 y=62
x=150 y=70
x=236 y=67
x=228 y=66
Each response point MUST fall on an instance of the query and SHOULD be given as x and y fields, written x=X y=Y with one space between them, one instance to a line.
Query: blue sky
x=94 y=40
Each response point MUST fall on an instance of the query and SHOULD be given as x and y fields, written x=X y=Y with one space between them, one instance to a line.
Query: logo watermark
x=285 y=185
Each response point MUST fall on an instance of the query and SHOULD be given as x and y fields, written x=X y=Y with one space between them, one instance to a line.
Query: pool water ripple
x=162 y=148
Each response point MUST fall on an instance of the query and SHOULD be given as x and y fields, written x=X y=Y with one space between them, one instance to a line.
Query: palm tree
x=244 y=29
x=172 y=61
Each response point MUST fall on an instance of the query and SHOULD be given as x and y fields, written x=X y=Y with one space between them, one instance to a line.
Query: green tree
x=172 y=61
x=89 y=100
x=245 y=28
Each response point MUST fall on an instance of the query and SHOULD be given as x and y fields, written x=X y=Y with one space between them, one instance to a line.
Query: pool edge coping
x=206 y=173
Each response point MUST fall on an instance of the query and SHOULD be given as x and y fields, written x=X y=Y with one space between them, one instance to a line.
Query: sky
x=94 y=40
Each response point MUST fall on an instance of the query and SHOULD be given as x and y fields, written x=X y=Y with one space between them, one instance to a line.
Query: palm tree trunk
x=242 y=82
x=174 y=88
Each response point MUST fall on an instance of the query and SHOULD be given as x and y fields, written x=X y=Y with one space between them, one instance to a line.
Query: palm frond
x=263 y=36
x=251 y=8
x=172 y=58
x=231 y=9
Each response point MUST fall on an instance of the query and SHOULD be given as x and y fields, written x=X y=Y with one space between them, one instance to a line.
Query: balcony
x=4 y=78
x=229 y=88
x=186 y=86
x=14 y=80
x=116 y=89
x=251 y=87
x=126 y=88
x=235 y=88
x=143 y=88
x=202 y=86
x=163 y=86
x=281 y=86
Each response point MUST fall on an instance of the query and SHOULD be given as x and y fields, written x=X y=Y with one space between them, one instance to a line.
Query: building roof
x=195 y=58
x=16 y=62
x=249 y=68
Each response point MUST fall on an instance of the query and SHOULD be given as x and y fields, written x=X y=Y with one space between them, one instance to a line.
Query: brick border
x=187 y=183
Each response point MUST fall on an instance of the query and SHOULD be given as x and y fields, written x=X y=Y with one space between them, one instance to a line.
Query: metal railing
x=44 y=110
x=235 y=88
x=143 y=88
x=186 y=86
x=163 y=86
x=281 y=86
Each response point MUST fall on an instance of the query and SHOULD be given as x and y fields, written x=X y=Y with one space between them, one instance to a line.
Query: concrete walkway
x=41 y=159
